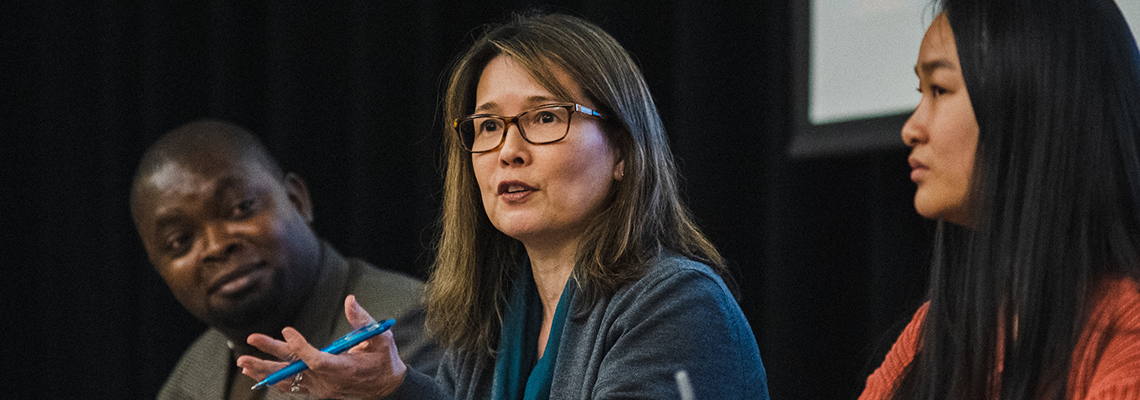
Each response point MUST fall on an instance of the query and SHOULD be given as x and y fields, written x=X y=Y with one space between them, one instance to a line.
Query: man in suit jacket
x=230 y=234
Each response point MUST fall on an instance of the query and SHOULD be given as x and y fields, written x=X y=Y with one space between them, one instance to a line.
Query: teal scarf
x=518 y=376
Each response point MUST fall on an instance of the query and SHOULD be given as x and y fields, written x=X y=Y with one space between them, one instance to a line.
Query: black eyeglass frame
x=508 y=121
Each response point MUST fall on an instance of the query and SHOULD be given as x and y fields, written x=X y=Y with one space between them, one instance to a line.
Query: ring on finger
x=297 y=382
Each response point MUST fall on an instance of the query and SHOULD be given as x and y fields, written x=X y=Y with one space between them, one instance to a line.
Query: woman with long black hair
x=1034 y=176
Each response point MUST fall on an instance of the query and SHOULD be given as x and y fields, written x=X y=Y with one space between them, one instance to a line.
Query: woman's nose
x=914 y=130
x=515 y=148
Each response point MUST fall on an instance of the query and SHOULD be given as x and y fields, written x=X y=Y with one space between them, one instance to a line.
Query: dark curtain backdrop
x=830 y=255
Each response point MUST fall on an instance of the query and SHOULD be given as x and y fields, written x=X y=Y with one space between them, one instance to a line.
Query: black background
x=829 y=252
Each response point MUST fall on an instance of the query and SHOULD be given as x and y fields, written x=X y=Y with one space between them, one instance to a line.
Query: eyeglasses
x=480 y=133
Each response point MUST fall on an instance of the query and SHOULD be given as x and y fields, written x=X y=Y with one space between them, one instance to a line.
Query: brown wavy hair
x=643 y=217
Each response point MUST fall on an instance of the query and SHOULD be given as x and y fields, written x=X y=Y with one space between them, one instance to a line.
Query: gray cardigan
x=679 y=316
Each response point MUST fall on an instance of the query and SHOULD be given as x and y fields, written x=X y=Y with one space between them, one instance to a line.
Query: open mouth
x=515 y=191
x=514 y=187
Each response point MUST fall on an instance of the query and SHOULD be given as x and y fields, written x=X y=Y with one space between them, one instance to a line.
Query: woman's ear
x=619 y=170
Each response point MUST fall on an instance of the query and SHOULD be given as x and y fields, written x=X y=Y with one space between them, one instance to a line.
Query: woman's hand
x=371 y=370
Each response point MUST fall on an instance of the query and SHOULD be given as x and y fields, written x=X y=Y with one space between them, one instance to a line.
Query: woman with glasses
x=567 y=266
x=1026 y=148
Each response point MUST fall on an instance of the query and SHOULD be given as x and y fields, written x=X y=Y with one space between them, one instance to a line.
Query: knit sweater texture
x=678 y=316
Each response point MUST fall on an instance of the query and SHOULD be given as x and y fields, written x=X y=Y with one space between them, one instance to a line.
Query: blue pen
x=339 y=346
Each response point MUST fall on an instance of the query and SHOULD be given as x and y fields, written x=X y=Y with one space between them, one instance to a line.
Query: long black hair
x=1055 y=87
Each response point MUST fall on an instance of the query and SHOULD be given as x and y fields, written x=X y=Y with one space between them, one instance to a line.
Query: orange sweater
x=1105 y=364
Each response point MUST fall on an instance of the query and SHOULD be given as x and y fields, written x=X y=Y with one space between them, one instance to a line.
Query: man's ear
x=299 y=196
